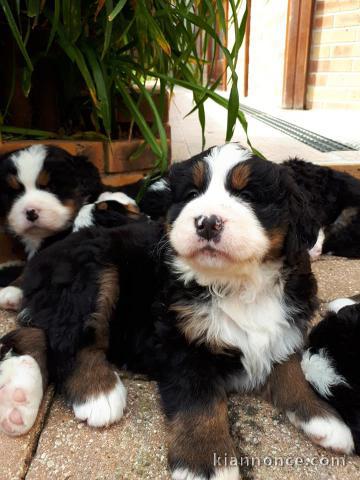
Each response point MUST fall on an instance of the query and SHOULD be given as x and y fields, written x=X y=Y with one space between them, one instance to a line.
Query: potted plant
x=96 y=76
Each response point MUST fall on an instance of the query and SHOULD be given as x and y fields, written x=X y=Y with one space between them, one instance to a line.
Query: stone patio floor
x=61 y=448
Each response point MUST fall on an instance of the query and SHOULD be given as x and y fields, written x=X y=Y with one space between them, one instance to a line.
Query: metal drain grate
x=314 y=140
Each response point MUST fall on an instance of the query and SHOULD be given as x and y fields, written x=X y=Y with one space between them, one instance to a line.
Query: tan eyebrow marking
x=101 y=206
x=43 y=178
x=13 y=182
x=240 y=176
x=199 y=174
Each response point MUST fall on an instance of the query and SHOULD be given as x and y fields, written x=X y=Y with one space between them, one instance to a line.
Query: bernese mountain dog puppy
x=111 y=209
x=331 y=361
x=216 y=300
x=334 y=199
x=42 y=188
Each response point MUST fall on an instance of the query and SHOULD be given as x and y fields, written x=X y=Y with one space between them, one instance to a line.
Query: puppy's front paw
x=104 y=408
x=11 y=298
x=21 y=392
x=329 y=432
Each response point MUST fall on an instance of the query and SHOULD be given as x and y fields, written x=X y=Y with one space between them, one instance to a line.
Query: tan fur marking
x=13 y=182
x=92 y=373
x=43 y=178
x=240 y=176
x=101 y=206
x=193 y=325
x=195 y=435
x=276 y=237
x=288 y=389
x=199 y=174
x=132 y=208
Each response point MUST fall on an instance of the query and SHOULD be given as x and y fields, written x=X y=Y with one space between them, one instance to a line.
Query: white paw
x=11 y=298
x=21 y=392
x=328 y=432
x=103 y=409
x=338 y=304
x=229 y=473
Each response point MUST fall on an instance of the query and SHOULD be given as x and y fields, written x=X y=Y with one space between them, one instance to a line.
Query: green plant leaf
x=15 y=31
x=33 y=8
x=71 y=14
x=103 y=105
x=158 y=120
x=75 y=55
x=108 y=28
x=27 y=132
x=26 y=81
x=141 y=122
x=119 y=6
x=54 y=25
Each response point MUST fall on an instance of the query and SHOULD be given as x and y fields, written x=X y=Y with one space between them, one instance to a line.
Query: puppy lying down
x=216 y=299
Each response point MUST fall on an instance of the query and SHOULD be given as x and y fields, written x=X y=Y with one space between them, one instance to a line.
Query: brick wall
x=334 y=66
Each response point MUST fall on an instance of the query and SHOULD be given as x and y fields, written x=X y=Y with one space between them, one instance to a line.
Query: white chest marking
x=261 y=331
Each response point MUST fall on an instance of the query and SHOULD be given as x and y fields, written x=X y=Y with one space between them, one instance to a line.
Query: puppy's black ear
x=88 y=178
x=3 y=196
x=157 y=198
x=303 y=227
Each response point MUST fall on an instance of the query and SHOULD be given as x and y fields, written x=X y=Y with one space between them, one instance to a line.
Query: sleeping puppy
x=334 y=200
x=331 y=361
x=111 y=209
x=216 y=300
x=42 y=188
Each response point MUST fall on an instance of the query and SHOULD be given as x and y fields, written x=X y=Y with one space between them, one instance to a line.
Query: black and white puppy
x=334 y=200
x=331 y=362
x=111 y=209
x=216 y=300
x=42 y=189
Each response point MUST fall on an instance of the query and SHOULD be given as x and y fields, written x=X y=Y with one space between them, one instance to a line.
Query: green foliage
x=108 y=49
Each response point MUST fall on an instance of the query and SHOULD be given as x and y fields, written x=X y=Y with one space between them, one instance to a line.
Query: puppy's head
x=111 y=209
x=42 y=188
x=228 y=208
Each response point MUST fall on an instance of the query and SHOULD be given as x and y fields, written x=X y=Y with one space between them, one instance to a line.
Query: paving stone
x=131 y=450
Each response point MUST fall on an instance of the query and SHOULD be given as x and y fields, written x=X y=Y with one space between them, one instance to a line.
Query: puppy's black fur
x=338 y=336
x=330 y=193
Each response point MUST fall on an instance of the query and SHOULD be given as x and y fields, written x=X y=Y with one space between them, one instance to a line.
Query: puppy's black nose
x=32 y=215
x=209 y=227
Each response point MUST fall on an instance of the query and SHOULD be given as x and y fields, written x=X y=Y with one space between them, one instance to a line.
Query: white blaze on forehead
x=119 y=197
x=29 y=163
x=222 y=159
